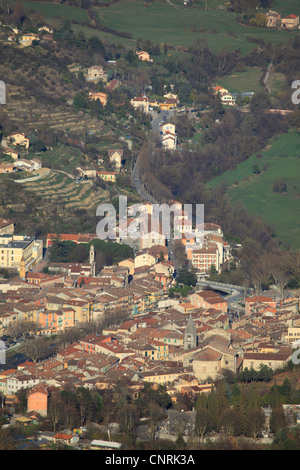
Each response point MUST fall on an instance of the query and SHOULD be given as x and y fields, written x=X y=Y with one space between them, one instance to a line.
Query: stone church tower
x=190 y=335
x=92 y=260
x=22 y=269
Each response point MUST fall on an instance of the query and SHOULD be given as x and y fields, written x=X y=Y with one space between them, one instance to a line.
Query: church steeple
x=190 y=335
x=92 y=260
x=22 y=269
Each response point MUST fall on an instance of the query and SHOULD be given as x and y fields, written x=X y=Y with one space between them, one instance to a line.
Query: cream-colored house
x=141 y=103
x=18 y=138
x=275 y=360
x=292 y=335
x=47 y=29
x=169 y=141
x=168 y=128
x=115 y=158
x=28 y=38
x=144 y=259
x=144 y=56
x=12 y=153
x=96 y=72
x=17 y=248
x=107 y=176
x=273 y=18
x=169 y=137
x=128 y=263
x=228 y=99
x=290 y=22
x=88 y=171
x=171 y=96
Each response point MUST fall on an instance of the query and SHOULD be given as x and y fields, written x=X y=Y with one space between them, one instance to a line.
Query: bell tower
x=190 y=335
x=22 y=269
x=92 y=260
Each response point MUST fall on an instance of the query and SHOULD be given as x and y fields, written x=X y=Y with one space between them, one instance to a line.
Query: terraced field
x=63 y=118
x=58 y=188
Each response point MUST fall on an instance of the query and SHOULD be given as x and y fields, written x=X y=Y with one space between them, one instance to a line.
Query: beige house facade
x=17 y=248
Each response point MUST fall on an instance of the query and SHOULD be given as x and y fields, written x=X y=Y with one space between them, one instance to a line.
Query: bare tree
x=203 y=422
x=56 y=410
x=292 y=265
x=36 y=349
x=22 y=329
x=255 y=420
x=281 y=279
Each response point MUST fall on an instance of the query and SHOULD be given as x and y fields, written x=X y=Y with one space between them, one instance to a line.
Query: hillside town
x=149 y=244
x=183 y=344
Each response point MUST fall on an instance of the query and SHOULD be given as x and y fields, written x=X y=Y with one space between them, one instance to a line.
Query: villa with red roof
x=290 y=22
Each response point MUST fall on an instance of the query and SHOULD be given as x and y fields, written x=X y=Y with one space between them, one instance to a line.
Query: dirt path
x=267 y=77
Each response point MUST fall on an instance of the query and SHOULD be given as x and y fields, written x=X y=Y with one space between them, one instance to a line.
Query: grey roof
x=19 y=243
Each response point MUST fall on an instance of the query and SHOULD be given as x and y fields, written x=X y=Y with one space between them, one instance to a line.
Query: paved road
x=42 y=174
x=157 y=120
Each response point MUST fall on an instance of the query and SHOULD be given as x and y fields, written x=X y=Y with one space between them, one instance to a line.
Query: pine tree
x=213 y=408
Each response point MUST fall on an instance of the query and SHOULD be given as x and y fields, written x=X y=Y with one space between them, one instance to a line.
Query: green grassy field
x=239 y=82
x=160 y=22
x=175 y=24
x=51 y=10
x=286 y=7
x=281 y=211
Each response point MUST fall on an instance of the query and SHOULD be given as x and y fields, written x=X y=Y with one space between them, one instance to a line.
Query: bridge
x=234 y=292
x=228 y=288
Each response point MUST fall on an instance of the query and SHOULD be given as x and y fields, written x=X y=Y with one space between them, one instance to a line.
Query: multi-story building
x=15 y=249
x=19 y=381
x=204 y=258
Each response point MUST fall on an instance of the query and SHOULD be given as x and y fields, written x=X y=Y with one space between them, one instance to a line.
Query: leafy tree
x=79 y=101
x=180 y=442
x=256 y=169
x=280 y=185
x=187 y=277
x=265 y=373
x=158 y=395
x=259 y=20
x=213 y=408
x=60 y=251
x=38 y=145
x=96 y=45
